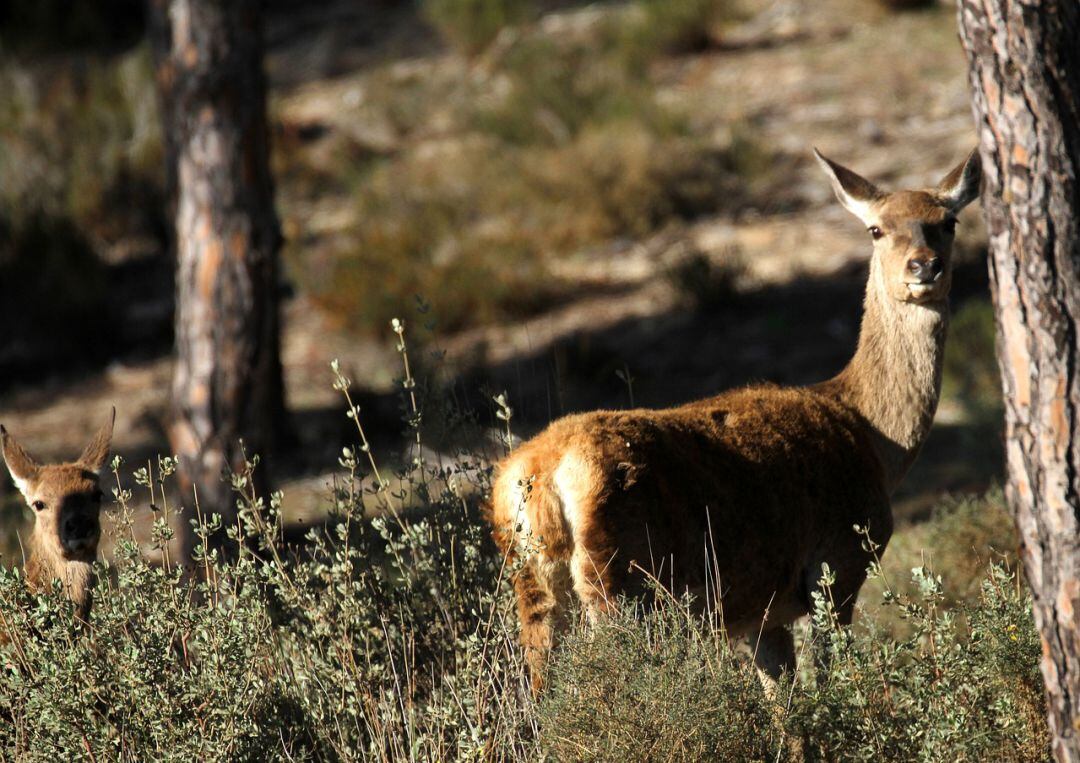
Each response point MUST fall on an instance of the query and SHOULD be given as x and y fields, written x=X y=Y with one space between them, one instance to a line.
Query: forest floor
x=782 y=271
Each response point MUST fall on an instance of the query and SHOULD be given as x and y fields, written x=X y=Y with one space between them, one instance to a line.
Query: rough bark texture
x=1024 y=60
x=228 y=379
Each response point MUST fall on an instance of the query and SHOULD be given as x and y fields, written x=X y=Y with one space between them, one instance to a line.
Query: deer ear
x=961 y=186
x=855 y=192
x=23 y=468
x=97 y=452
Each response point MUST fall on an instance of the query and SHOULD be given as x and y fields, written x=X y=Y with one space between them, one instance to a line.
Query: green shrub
x=556 y=90
x=475 y=230
x=80 y=140
x=655 y=27
x=967 y=533
x=656 y=685
x=390 y=634
x=971 y=373
x=706 y=283
x=948 y=691
x=472 y=25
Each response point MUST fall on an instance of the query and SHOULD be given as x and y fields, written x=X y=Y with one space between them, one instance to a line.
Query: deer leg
x=542 y=589
x=593 y=580
x=774 y=654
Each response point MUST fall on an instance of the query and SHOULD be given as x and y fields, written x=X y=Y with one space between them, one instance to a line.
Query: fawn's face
x=66 y=501
x=912 y=231
x=65 y=498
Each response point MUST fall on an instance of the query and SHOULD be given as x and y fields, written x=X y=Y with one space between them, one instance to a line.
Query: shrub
x=474 y=229
x=708 y=284
x=654 y=685
x=472 y=25
x=970 y=372
x=390 y=634
x=967 y=533
x=557 y=146
x=556 y=90
x=651 y=28
x=941 y=693
x=107 y=180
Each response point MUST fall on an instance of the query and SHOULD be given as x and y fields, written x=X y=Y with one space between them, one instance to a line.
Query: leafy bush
x=654 y=27
x=107 y=182
x=655 y=685
x=962 y=535
x=705 y=283
x=967 y=533
x=556 y=90
x=472 y=25
x=946 y=692
x=390 y=634
x=971 y=373
x=80 y=188
x=474 y=230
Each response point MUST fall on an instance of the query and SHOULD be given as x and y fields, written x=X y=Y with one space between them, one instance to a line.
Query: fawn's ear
x=855 y=192
x=97 y=452
x=961 y=186
x=22 y=466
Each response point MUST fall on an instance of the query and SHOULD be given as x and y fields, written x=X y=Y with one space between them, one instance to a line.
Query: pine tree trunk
x=227 y=383
x=1024 y=58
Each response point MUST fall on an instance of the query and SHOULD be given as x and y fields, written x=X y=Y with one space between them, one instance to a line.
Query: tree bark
x=1024 y=62
x=227 y=382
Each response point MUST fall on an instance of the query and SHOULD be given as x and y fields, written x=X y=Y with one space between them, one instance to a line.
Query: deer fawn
x=66 y=501
x=740 y=498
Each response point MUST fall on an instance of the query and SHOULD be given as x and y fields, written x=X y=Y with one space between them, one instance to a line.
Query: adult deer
x=66 y=501
x=744 y=496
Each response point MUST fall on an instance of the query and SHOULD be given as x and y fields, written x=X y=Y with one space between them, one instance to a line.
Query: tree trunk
x=227 y=383
x=1024 y=58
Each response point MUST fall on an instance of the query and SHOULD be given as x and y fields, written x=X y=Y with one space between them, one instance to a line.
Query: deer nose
x=926 y=267
x=78 y=528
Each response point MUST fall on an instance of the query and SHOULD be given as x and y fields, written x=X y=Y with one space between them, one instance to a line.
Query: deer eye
x=876 y=232
x=38 y=505
x=950 y=226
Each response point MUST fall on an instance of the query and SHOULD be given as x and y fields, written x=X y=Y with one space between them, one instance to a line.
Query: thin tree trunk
x=1024 y=58
x=227 y=383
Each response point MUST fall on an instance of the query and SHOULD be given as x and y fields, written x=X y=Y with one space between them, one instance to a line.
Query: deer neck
x=45 y=564
x=894 y=379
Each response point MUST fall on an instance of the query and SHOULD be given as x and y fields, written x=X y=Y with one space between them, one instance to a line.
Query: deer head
x=912 y=231
x=65 y=498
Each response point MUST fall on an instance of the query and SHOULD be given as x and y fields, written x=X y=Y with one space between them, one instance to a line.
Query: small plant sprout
x=504 y=413
x=343 y=384
x=408 y=384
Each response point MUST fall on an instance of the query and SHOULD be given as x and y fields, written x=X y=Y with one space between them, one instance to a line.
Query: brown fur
x=66 y=501
x=740 y=498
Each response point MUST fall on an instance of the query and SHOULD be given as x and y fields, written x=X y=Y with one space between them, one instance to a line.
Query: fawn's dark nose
x=79 y=529
x=926 y=268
